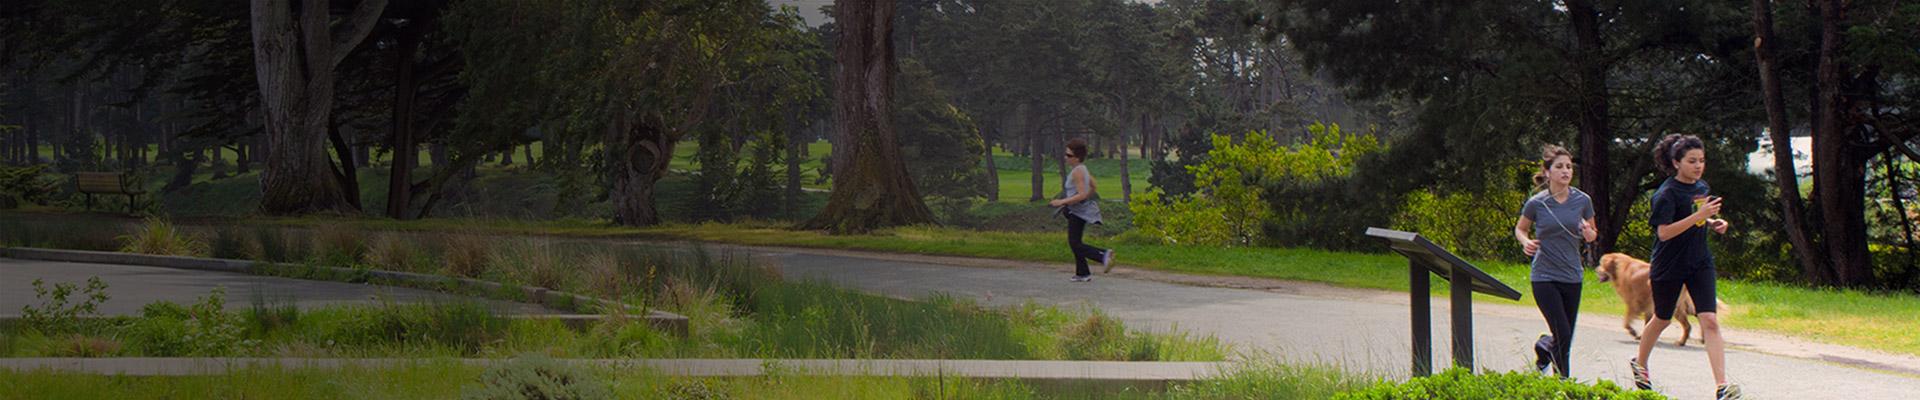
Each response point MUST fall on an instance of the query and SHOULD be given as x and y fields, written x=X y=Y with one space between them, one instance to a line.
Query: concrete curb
x=1142 y=372
x=666 y=321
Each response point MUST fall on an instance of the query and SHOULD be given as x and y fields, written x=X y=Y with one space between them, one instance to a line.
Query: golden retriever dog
x=1631 y=280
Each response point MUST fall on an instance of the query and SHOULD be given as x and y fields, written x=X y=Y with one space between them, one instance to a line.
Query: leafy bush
x=28 y=183
x=1231 y=203
x=157 y=236
x=57 y=314
x=1475 y=226
x=1460 y=384
x=537 y=378
x=203 y=329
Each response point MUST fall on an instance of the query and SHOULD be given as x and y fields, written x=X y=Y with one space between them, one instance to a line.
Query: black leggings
x=1560 y=303
x=1081 y=251
x=1699 y=285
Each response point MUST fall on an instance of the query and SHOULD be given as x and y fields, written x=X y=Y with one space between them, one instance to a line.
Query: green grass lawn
x=1015 y=172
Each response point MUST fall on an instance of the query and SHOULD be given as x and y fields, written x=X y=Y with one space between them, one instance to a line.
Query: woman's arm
x=1081 y=186
x=1589 y=231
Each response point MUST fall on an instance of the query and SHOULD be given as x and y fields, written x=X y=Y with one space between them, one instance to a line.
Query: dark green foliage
x=941 y=144
x=28 y=184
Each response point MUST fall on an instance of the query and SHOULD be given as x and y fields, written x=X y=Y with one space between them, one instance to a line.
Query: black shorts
x=1699 y=285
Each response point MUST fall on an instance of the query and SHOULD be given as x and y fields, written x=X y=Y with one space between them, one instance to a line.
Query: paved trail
x=1368 y=331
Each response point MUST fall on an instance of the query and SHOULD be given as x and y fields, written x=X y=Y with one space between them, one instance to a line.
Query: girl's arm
x=1520 y=229
x=1668 y=231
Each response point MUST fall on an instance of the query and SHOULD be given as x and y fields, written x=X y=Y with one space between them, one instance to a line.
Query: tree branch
x=355 y=28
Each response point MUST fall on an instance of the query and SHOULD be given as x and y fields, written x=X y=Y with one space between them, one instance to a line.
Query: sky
x=809 y=9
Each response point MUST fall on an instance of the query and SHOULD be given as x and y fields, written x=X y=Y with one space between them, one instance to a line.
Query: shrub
x=1472 y=225
x=160 y=336
x=211 y=329
x=203 y=329
x=1460 y=384
x=1231 y=205
x=157 y=236
x=58 y=314
x=537 y=378
x=29 y=184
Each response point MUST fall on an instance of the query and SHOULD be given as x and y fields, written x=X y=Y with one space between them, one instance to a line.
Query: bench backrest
x=99 y=182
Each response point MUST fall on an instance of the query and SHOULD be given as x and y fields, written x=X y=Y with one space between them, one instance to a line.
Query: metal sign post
x=1423 y=258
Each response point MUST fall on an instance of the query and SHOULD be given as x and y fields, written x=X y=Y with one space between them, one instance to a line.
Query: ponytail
x=1673 y=147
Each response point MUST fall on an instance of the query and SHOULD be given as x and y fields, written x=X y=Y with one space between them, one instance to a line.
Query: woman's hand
x=1588 y=231
x=1530 y=246
x=1057 y=203
x=1718 y=225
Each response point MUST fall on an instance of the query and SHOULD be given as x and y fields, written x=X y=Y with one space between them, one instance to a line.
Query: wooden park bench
x=107 y=183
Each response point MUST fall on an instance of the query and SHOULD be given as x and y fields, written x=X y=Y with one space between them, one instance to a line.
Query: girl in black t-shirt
x=1682 y=213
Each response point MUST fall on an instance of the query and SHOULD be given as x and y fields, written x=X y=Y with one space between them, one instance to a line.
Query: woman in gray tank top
x=1552 y=225
x=1081 y=207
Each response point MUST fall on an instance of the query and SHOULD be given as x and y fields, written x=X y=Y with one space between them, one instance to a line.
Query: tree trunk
x=1839 y=175
x=294 y=61
x=1126 y=176
x=1900 y=207
x=405 y=150
x=33 y=141
x=1596 y=174
x=993 y=174
x=437 y=155
x=347 y=173
x=1059 y=146
x=1785 y=175
x=638 y=153
x=530 y=161
x=243 y=157
x=795 y=144
x=185 y=162
x=218 y=163
x=1033 y=154
x=875 y=190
